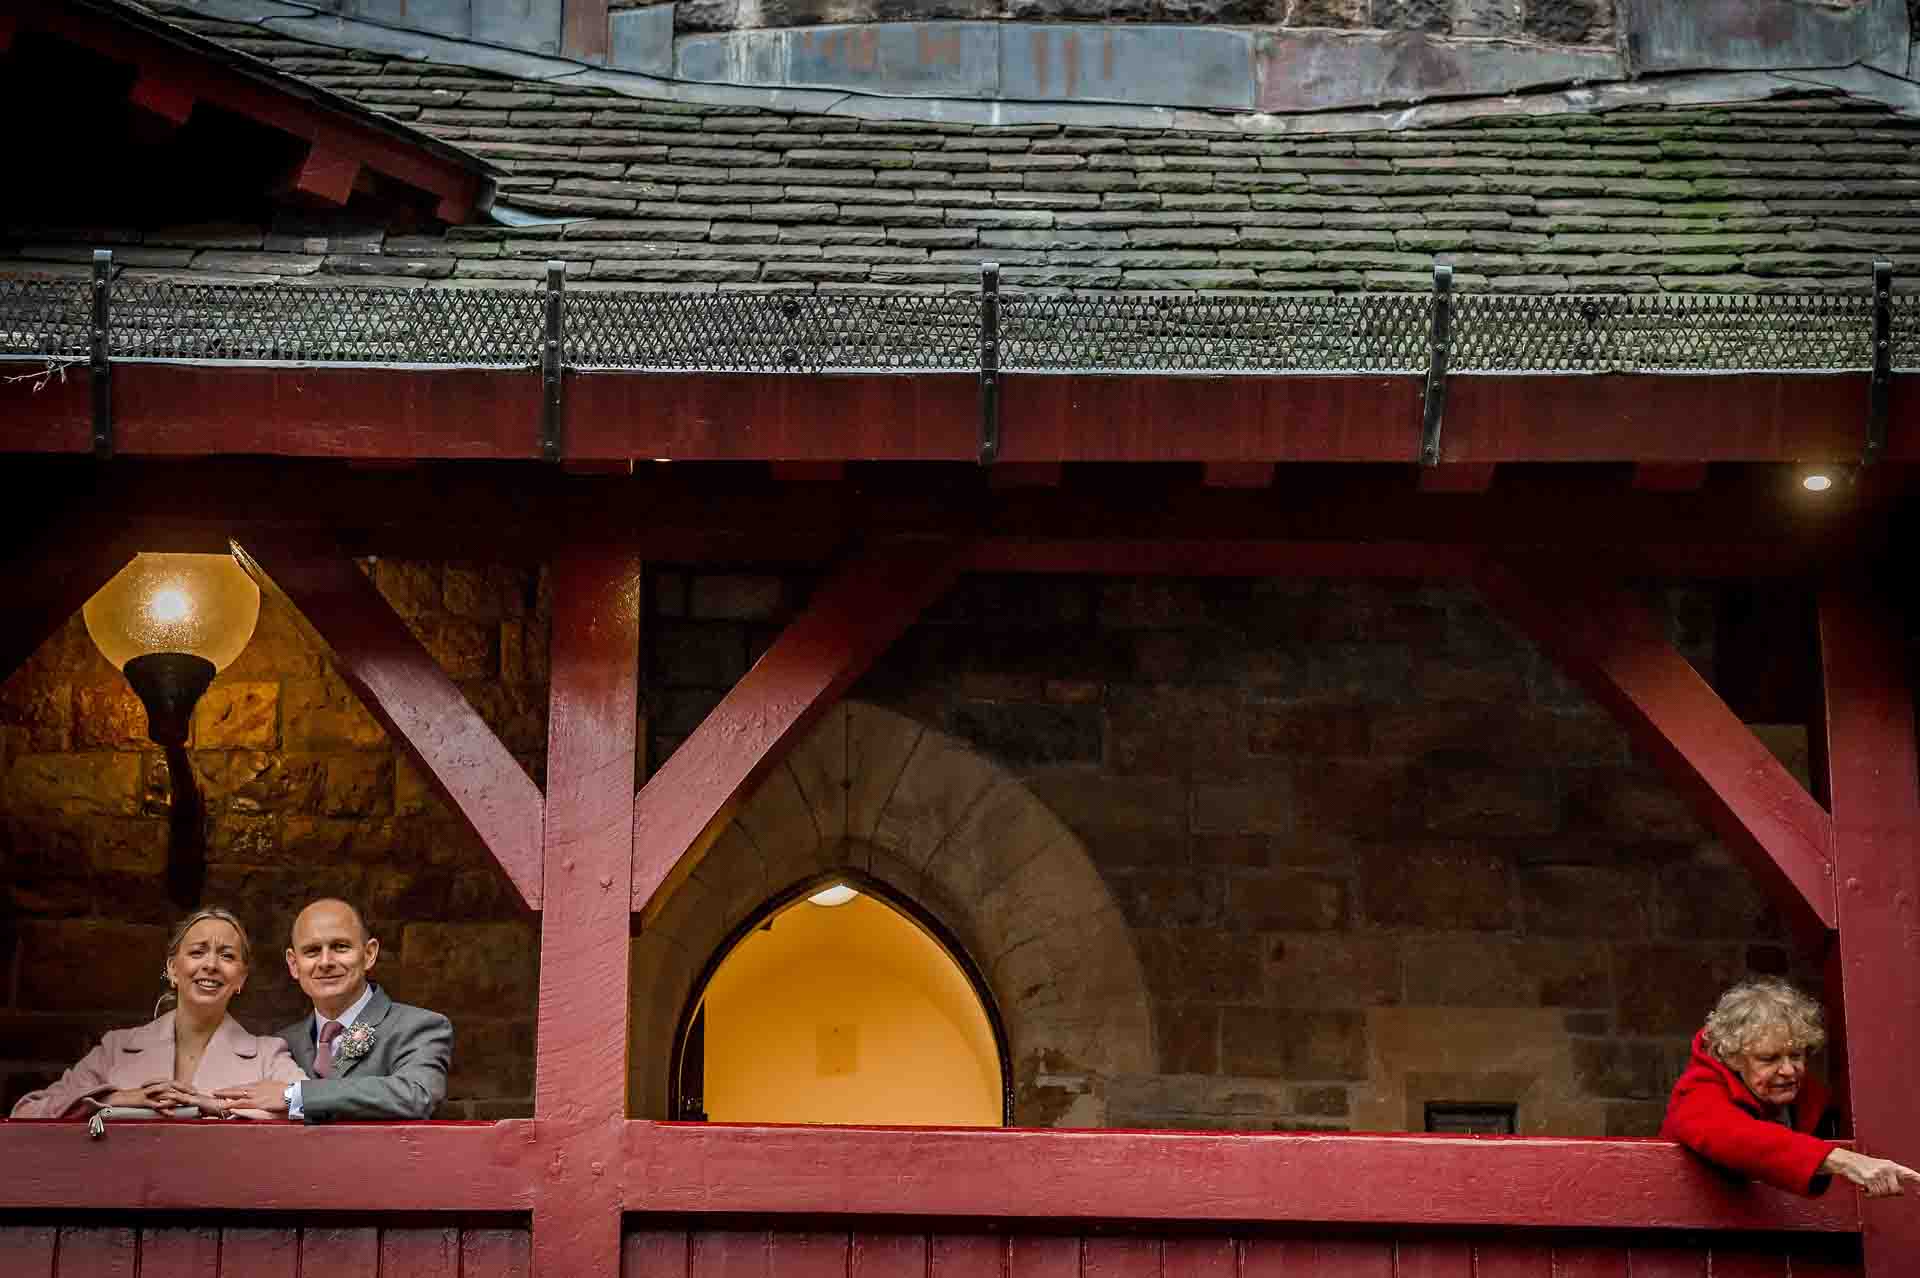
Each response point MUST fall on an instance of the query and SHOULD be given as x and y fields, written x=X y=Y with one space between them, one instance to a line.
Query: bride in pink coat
x=181 y=1057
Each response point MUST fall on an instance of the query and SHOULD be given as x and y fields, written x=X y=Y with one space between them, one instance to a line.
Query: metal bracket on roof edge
x=1880 y=387
x=98 y=363
x=550 y=382
x=1439 y=339
x=989 y=362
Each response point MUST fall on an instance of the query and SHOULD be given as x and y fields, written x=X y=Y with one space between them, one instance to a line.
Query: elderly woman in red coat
x=1747 y=1103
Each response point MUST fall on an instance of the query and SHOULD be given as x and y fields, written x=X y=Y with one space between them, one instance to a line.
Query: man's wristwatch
x=286 y=1096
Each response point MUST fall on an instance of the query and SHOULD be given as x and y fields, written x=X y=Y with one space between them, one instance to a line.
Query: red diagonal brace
x=850 y=621
x=412 y=697
x=1608 y=642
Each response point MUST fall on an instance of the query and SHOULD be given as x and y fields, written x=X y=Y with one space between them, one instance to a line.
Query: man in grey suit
x=366 y=1056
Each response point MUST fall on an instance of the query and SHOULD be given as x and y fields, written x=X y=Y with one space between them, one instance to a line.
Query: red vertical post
x=1873 y=781
x=580 y=1071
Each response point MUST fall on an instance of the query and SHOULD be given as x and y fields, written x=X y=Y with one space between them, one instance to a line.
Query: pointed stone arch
x=873 y=791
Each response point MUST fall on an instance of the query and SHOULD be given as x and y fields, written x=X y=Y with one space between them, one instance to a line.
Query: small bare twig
x=41 y=378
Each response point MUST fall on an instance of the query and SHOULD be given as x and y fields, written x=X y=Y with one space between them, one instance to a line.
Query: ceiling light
x=838 y=894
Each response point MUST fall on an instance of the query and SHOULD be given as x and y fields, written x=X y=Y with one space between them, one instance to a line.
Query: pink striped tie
x=323 y=1058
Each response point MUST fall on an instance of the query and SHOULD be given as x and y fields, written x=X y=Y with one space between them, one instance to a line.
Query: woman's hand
x=159 y=1093
x=1880 y=1177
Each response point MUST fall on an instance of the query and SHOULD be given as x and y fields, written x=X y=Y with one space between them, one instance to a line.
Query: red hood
x=1807 y=1107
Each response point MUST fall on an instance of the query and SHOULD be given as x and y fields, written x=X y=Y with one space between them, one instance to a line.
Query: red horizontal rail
x=463 y=413
x=262 y=1166
x=1270 y=1177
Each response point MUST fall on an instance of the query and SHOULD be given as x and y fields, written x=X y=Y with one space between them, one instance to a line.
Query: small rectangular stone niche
x=1473 y=1118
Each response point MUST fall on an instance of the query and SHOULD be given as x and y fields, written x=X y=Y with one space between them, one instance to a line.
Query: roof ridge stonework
x=1781 y=194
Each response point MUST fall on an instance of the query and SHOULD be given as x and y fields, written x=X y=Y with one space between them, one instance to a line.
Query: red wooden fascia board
x=475 y=413
x=1342 y=1178
x=247 y=1166
x=208 y=80
x=423 y=710
x=1609 y=643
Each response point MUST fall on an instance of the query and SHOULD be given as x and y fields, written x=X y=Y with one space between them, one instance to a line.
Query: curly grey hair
x=1751 y=1008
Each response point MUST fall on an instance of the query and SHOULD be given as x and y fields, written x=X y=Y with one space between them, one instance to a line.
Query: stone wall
x=1371 y=848
x=1553 y=21
x=305 y=795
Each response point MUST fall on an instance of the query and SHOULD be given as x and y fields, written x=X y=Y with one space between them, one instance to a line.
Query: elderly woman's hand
x=1880 y=1177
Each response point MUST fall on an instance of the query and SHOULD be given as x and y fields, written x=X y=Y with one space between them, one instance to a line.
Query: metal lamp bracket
x=100 y=368
x=989 y=362
x=552 y=385
x=1879 y=388
x=1439 y=340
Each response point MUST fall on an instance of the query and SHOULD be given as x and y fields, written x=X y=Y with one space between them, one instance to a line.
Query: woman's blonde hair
x=179 y=937
x=1751 y=1008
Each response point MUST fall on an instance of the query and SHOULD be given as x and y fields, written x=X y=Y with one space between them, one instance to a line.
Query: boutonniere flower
x=356 y=1041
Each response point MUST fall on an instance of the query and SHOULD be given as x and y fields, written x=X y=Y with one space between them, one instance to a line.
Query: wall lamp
x=170 y=623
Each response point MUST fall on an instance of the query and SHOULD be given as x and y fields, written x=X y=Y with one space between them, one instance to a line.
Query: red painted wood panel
x=811 y=1254
x=1750 y=1264
x=243 y=1166
x=417 y=1252
x=27 y=1250
x=174 y=410
x=1871 y=765
x=730 y=1253
x=887 y=1256
x=425 y=712
x=1590 y=1262
x=772 y=416
x=1095 y=417
x=1609 y=643
x=654 y=1253
x=1123 y=1257
x=1043 y=1256
x=1226 y=558
x=88 y=1251
x=1498 y=1258
x=1319 y=1258
x=1044 y=1175
x=346 y=1250
x=179 y=1252
x=1200 y=1258
x=967 y=1256
x=505 y=1253
x=247 y=1252
x=1667 y=1262
x=850 y=620
x=1426 y=1258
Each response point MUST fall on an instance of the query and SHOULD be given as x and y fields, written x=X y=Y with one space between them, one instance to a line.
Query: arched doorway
x=841 y=1001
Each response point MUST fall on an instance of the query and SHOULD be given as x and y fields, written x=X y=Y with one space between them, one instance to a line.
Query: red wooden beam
x=1224 y=557
x=195 y=410
x=580 y=1077
x=1238 y=474
x=1607 y=641
x=851 y=619
x=1459 y=477
x=1670 y=477
x=165 y=100
x=1342 y=1178
x=1873 y=780
x=50 y=572
x=420 y=707
x=325 y=175
x=265 y=1167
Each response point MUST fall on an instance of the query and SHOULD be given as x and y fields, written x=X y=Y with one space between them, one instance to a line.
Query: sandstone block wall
x=305 y=795
x=1371 y=848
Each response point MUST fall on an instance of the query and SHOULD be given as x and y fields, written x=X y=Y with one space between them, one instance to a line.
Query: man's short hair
x=360 y=920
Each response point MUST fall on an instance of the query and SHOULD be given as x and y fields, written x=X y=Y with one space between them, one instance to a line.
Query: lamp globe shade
x=170 y=623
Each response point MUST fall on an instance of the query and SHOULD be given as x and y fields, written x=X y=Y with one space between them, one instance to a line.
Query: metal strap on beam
x=1879 y=389
x=989 y=362
x=101 y=368
x=1439 y=341
x=550 y=352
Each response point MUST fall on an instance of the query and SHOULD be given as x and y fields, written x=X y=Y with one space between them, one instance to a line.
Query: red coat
x=1714 y=1114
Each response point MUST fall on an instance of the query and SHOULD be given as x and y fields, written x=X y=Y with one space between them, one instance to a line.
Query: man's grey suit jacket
x=403 y=1075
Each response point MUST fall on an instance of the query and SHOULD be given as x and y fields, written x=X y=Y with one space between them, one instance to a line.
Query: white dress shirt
x=294 y=1108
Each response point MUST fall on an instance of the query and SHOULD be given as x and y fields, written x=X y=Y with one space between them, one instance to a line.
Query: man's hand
x=266 y=1094
x=1880 y=1177
x=159 y=1093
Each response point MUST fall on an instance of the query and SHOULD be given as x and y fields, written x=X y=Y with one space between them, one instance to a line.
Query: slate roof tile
x=1779 y=196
